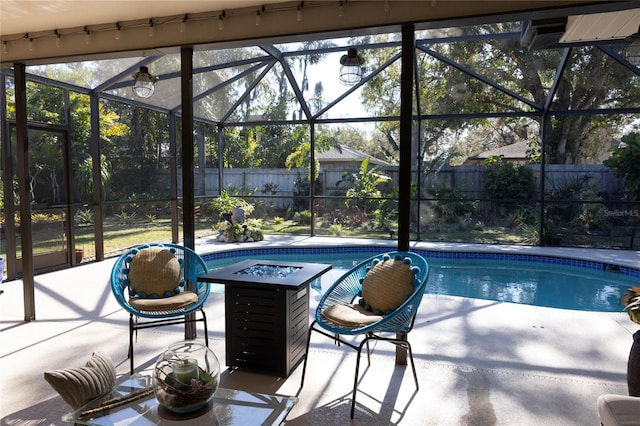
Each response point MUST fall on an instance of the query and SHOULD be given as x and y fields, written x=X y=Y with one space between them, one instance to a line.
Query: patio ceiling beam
x=343 y=48
x=235 y=78
x=232 y=64
x=277 y=54
x=618 y=58
x=476 y=115
x=556 y=79
x=246 y=93
x=200 y=70
x=600 y=111
x=229 y=81
x=133 y=102
x=50 y=82
x=467 y=37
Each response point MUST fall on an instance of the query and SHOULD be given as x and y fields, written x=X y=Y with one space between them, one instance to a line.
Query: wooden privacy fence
x=281 y=183
x=468 y=179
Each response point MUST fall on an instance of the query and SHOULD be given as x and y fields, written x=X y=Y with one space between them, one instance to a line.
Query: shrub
x=624 y=163
x=576 y=188
x=125 y=218
x=302 y=189
x=303 y=217
x=84 y=217
x=593 y=214
x=451 y=203
x=509 y=181
x=336 y=229
x=151 y=217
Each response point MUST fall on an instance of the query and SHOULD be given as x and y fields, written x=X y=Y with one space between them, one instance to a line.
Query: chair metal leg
x=131 y=343
x=368 y=353
x=206 y=331
x=134 y=326
x=413 y=365
x=401 y=343
x=355 y=379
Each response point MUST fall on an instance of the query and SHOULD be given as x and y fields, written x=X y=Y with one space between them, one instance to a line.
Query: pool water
x=526 y=282
x=531 y=284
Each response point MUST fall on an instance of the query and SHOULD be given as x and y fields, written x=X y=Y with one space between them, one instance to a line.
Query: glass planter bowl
x=186 y=376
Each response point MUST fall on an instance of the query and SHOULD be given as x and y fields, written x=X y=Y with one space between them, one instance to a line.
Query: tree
x=592 y=80
x=137 y=154
x=84 y=177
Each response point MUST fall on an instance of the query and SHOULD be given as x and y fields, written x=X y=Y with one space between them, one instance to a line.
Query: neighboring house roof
x=514 y=152
x=345 y=154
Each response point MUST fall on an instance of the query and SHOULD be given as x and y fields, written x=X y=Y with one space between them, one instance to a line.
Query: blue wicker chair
x=396 y=324
x=191 y=265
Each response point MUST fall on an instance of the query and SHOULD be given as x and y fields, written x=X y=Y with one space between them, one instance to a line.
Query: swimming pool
x=527 y=279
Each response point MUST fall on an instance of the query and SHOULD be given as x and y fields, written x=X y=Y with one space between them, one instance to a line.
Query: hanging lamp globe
x=631 y=52
x=144 y=83
x=351 y=67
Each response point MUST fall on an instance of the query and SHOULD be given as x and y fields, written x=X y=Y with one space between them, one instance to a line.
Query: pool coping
x=626 y=262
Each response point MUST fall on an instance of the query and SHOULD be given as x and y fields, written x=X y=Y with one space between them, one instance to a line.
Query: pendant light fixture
x=144 y=83
x=631 y=52
x=351 y=69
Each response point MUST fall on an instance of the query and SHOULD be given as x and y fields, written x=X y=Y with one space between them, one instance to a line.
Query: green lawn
x=119 y=235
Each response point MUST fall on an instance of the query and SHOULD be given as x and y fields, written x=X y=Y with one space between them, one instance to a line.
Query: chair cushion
x=154 y=272
x=618 y=410
x=350 y=315
x=79 y=385
x=179 y=301
x=387 y=285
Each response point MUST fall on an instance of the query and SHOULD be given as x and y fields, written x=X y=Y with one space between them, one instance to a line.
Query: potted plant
x=79 y=255
x=270 y=187
x=631 y=301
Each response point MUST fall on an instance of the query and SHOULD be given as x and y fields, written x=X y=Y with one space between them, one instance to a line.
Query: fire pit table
x=266 y=312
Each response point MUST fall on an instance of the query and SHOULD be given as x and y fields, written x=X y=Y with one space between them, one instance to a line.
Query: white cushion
x=619 y=410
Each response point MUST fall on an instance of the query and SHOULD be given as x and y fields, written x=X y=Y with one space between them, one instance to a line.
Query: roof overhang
x=39 y=32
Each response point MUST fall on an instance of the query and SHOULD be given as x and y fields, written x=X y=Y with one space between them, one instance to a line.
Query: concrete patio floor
x=479 y=362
